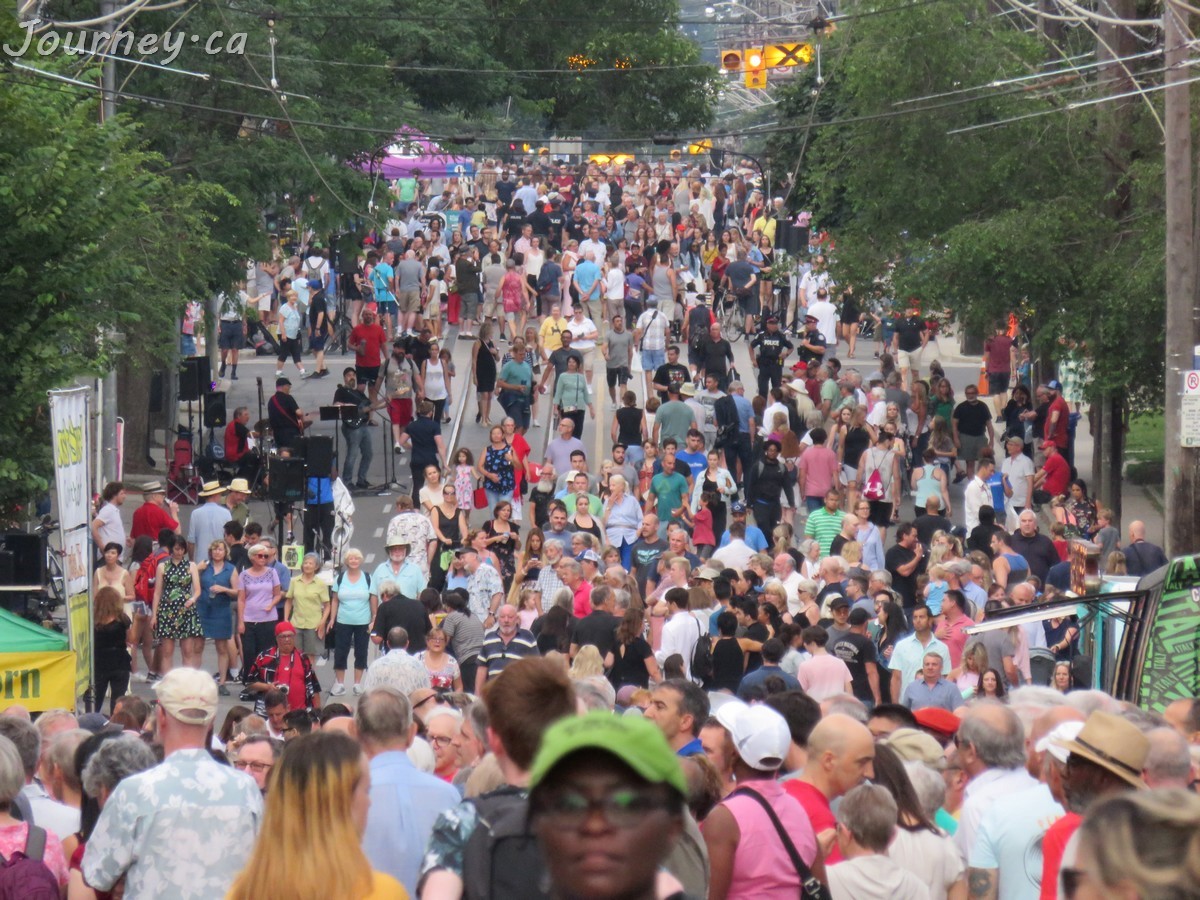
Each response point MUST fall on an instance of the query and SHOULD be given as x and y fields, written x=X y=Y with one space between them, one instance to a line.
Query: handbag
x=479 y=497
x=810 y=887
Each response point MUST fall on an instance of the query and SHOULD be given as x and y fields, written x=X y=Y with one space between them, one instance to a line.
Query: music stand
x=337 y=413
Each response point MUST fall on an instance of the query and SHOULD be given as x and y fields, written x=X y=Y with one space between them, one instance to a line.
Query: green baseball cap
x=635 y=741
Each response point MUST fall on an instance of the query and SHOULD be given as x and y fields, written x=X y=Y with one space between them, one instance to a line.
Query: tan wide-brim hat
x=241 y=485
x=210 y=488
x=1113 y=743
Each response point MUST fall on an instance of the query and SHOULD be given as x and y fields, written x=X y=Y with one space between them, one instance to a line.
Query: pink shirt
x=820 y=467
x=582 y=605
x=823 y=676
x=762 y=868
x=12 y=839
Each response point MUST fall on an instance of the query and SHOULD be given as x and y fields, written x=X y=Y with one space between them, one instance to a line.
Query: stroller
x=183 y=481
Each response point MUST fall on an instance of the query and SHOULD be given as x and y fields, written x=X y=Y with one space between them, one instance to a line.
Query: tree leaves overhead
x=988 y=221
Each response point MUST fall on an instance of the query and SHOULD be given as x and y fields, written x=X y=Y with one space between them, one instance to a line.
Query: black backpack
x=502 y=860
x=725 y=410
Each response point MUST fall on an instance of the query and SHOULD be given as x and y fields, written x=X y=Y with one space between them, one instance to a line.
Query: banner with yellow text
x=69 y=415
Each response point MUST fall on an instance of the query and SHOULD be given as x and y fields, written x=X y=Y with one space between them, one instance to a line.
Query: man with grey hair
x=595 y=694
x=405 y=802
x=397 y=668
x=990 y=750
x=548 y=583
x=503 y=645
x=43 y=809
x=57 y=771
x=1168 y=761
x=866 y=824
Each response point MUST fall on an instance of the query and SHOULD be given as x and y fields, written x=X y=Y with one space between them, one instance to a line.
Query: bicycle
x=730 y=316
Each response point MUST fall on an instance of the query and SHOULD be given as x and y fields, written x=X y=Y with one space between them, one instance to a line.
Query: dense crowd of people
x=736 y=657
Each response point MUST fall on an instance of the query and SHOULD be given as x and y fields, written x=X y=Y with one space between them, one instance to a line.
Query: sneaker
x=358 y=689
x=303 y=373
x=397 y=448
x=323 y=659
x=279 y=373
x=337 y=690
x=152 y=677
x=139 y=677
x=247 y=695
x=362 y=485
x=535 y=424
x=222 y=690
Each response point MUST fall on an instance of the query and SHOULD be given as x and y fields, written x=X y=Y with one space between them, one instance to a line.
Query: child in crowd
x=464 y=479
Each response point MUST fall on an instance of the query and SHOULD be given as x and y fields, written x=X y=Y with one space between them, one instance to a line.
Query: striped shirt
x=496 y=654
x=824 y=526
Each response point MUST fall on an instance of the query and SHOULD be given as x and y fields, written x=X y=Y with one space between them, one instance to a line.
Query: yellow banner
x=79 y=612
x=37 y=681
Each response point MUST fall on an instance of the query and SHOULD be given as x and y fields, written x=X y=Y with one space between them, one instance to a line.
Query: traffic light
x=675 y=155
x=731 y=60
x=756 y=73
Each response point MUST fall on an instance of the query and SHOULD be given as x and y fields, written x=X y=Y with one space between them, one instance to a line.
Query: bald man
x=841 y=755
x=1142 y=557
x=508 y=641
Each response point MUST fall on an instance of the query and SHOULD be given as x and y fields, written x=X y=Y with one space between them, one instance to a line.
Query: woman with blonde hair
x=587 y=663
x=321 y=777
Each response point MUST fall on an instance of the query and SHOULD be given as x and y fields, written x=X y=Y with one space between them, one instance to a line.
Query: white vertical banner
x=69 y=432
x=69 y=410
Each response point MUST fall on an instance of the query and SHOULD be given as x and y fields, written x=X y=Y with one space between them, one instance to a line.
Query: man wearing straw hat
x=154 y=514
x=208 y=521
x=235 y=500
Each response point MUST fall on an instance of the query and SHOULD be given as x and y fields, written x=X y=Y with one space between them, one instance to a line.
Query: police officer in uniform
x=767 y=354
x=812 y=344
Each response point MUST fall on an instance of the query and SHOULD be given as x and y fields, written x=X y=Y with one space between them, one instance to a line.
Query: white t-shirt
x=1010 y=840
x=823 y=676
x=317 y=264
x=1017 y=470
x=933 y=858
x=578 y=328
x=112 y=529
x=614 y=284
x=826 y=314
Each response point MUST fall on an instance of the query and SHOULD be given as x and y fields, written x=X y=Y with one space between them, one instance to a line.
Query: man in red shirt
x=1053 y=477
x=1058 y=416
x=153 y=515
x=1000 y=361
x=841 y=754
x=367 y=340
x=953 y=625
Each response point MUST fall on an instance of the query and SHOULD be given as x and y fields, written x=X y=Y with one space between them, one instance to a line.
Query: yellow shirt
x=385 y=887
x=307 y=601
x=550 y=334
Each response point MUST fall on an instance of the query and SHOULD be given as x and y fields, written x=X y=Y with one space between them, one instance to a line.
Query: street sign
x=777 y=56
x=1189 y=414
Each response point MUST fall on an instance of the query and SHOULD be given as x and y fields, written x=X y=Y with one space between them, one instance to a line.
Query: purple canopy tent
x=415 y=151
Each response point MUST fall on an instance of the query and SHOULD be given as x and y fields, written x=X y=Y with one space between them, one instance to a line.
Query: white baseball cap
x=1052 y=743
x=760 y=735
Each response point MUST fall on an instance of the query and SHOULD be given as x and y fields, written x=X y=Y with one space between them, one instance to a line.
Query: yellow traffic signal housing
x=731 y=60
x=756 y=73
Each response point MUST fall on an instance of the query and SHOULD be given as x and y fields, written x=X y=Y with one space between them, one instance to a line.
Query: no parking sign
x=1189 y=419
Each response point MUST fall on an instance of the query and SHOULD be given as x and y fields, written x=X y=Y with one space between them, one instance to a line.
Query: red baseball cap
x=943 y=723
x=285 y=628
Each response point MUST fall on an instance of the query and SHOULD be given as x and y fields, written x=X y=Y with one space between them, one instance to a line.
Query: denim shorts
x=652 y=359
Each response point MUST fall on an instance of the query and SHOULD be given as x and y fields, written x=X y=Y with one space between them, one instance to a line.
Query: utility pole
x=1180 y=475
x=108 y=406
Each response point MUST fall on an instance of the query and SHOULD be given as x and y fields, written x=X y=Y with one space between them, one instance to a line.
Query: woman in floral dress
x=174 y=616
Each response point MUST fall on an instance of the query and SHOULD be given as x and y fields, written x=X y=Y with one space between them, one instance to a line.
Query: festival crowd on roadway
x=730 y=659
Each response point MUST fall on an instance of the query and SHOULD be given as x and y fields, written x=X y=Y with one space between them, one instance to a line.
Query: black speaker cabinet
x=214 y=409
x=28 y=564
x=318 y=453
x=194 y=378
x=285 y=478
